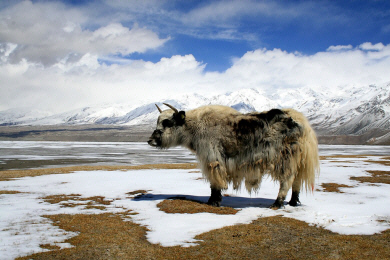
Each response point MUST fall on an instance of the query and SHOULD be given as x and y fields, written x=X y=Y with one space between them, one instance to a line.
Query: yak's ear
x=180 y=118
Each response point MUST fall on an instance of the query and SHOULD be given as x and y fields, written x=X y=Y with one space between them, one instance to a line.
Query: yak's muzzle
x=155 y=139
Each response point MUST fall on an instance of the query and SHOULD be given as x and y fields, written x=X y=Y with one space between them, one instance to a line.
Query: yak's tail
x=309 y=166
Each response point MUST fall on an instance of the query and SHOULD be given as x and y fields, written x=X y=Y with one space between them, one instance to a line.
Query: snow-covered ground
x=361 y=209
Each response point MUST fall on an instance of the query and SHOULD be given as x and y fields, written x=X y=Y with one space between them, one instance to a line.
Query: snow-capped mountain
x=21 y=116
x=343 y=111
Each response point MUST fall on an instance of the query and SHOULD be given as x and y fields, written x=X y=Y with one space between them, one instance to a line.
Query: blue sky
x=303 y=26
x=125 y=51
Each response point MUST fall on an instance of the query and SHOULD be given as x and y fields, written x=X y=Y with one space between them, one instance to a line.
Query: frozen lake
x=354 y=149
x=30 y=154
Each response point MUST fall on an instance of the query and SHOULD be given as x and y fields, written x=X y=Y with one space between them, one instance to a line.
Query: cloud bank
x=63 y=85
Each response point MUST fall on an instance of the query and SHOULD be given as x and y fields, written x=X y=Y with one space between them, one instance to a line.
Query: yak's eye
x=167 y=123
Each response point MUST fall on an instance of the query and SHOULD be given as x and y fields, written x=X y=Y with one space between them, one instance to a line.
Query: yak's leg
x=215 y=198
x=285 y=185
x=296 y=188
x=218 y=182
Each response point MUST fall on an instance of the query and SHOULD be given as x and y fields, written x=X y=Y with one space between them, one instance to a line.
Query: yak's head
x=169 y=126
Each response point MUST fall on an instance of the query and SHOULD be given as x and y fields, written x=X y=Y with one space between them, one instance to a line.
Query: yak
x=235 y=148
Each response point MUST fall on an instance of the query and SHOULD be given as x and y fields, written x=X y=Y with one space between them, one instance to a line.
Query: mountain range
x=347 y=114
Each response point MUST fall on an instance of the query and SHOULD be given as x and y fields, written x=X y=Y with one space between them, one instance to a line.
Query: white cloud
x=340 y=47
x=48 y=32
x=230 y=13
x=368 y=46
x=65 y=86
x=221 y=12
x=270 y=69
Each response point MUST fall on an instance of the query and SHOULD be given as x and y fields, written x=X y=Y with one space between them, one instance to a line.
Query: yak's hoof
x=279 y=203
x=214 y=203
x=276 y=206
x=294 y=203
x=215 y=198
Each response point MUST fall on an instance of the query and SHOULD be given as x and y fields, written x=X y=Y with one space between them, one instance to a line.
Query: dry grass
x=50 y=247
x=9 y=192
x=53 y=199
x=74 y=200
x=136 y=193
x=334 y=187
x=376 y=177
x=183 y=205
x=346 y=156
x=385 y=161
x=108 y=236
x=12 y=174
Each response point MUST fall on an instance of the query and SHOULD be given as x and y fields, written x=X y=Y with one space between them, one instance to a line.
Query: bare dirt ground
x=115 y=236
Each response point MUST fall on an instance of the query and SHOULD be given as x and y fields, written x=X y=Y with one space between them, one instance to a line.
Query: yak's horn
x=171 y=107
x=159 y=109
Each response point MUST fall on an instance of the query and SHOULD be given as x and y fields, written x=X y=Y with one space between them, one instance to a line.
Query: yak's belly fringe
x=220 y=176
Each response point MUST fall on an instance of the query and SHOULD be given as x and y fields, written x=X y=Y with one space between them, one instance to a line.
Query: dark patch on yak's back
x=249 y=123
x=253 y=127
x=273 y=114
x=291 y=124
